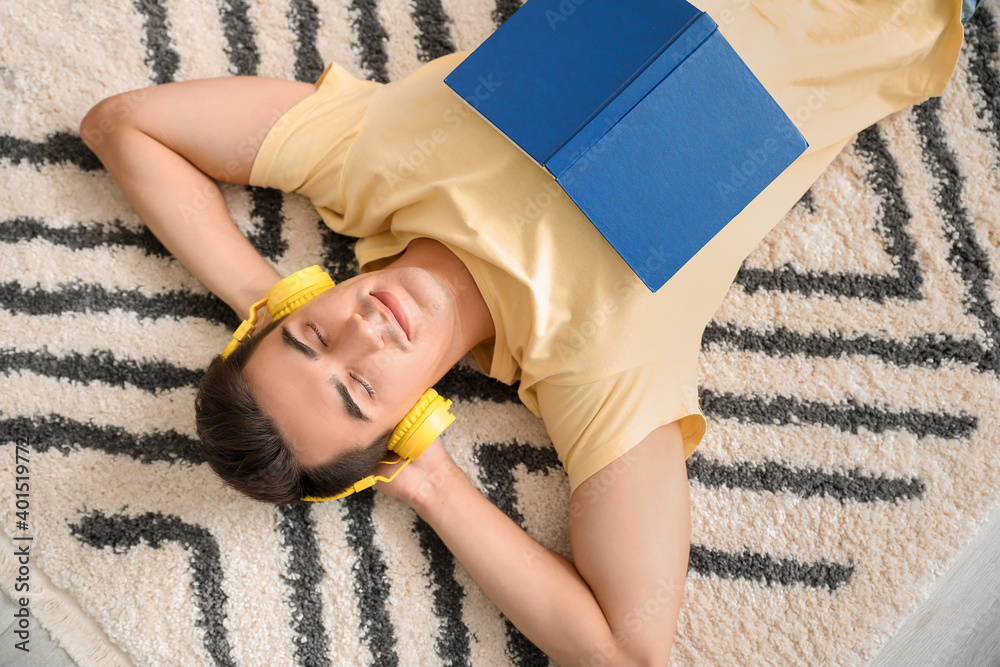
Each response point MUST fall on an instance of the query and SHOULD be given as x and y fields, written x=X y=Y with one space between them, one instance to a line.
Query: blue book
x=643 y=114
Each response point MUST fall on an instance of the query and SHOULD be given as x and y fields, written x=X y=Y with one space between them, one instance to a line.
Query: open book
x=643 y=114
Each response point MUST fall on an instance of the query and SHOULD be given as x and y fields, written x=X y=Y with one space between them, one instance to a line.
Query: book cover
x=641 y=111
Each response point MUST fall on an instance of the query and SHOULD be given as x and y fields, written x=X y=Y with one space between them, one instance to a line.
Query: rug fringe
x=78 y=634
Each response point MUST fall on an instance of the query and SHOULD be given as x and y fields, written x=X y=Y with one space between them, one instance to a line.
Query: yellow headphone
x=418 y=429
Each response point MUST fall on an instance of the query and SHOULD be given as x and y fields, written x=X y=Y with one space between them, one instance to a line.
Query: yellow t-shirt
x=599 y=357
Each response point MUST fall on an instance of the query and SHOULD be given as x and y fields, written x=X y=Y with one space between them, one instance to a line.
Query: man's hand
x=426 y=480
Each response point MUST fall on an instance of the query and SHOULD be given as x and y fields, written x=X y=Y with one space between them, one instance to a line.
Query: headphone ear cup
x=426 y=421
x=293 y=291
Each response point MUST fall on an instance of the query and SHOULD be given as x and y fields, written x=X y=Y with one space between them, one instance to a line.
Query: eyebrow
x=352 y=407
x=296 y=344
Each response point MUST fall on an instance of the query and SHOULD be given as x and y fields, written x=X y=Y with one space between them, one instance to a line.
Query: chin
x=428 y=293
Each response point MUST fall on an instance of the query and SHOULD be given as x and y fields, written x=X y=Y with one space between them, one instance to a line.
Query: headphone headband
x=295 y=290
x=284 y=296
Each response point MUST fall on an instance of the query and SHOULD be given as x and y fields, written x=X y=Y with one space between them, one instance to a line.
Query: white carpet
x=851 y=380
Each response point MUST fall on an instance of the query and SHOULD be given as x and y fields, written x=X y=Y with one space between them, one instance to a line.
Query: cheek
x=386 y=368
x=402 y=379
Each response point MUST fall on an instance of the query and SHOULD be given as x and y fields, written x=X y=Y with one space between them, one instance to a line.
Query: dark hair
x=247 y=450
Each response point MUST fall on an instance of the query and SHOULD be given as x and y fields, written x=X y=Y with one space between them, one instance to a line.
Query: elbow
x=91 y=126
x=647 y=656
x=649 y=649
x=105 y=119
x=649 y=652
x=659 y=658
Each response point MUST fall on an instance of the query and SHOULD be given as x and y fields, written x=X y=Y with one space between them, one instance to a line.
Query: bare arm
x=164 y=146
x=617 y=603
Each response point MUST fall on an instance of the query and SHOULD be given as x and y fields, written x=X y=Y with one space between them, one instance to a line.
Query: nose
x=365 y=334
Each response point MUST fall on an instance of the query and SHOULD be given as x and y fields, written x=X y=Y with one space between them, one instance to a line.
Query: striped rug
x=850 y=378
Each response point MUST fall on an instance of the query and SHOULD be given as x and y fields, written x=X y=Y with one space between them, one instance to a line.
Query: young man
x=466 y=245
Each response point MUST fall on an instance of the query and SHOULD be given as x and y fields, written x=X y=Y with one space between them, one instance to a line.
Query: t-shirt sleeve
x=306 y=149
x=593 y=424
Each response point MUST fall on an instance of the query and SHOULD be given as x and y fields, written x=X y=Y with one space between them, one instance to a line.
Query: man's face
x=347 y=366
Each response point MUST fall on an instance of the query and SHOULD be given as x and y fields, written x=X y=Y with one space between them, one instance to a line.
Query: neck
x=474 y=322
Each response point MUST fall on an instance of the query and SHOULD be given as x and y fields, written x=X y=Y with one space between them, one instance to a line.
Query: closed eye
x=319 y=336
x=364 y=384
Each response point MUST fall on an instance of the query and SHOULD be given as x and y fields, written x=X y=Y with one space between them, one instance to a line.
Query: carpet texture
x=850 y=379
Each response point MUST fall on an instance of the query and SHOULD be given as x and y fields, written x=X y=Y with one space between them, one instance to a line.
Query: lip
x=395 y=311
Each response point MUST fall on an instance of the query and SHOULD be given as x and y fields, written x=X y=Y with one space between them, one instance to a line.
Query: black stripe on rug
x=82 y=236
x=304 y=18
x=503 y=10
x=767 y=569
x=82 y=298
x=928 y=350
x=808 y=202
x=452 y=641
x=267 y=213
x=241 y=38
x=338 y=254
x=433 y=36
x=57 y=148
x=967 y=257
x=982 y=48
x=772 y=477
x=100 y=366
x=371 y=39
x=161 y=58
x=371 y=583
x=520 y=651
x=906 y=280
x=497 y=462
x=849 y=416
x=303 y=577
x=815 y=283
x=266 y=236
x=154 y=529
x=464 y=383
x=65 y=435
